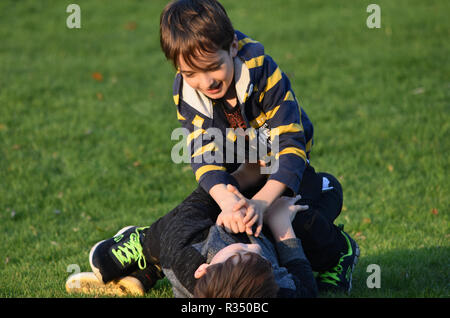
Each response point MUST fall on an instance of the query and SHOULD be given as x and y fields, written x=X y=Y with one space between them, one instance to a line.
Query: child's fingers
x=237 y=218
x=298 y=208
x=249 y=214
x=259 y=228
x=249 y=224
x=234 y=227
x=239 y=205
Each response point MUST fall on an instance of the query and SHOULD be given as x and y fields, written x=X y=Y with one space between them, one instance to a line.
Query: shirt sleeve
x=292 y=257
x=284 y=118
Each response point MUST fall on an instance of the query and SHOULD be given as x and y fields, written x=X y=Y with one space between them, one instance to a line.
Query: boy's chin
x=215 y=96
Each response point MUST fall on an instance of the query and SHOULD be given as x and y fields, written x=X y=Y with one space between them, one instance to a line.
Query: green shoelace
x=131 y=250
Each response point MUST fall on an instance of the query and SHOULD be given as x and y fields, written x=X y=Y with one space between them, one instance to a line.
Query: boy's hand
x=254 y=211
x=231 y=219
x=280 y=215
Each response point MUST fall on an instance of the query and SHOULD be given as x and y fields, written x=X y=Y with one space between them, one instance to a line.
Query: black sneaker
x=148 y=276
x=122 y=256
x=339 y=278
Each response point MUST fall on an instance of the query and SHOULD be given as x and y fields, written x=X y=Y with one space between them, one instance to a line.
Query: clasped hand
x=242 y=214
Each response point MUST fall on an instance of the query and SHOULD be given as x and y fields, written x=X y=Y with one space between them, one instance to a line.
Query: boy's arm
x=280 y=110
x=290 y=252
x=232 y=220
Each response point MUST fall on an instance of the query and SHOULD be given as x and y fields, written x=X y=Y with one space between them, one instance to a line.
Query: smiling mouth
x=215 y=88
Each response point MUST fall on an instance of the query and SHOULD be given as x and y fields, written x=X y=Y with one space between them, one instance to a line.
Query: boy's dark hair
x=251 y=277
x=188 y=27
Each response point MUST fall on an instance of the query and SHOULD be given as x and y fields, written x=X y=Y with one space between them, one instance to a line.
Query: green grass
x=81 y=158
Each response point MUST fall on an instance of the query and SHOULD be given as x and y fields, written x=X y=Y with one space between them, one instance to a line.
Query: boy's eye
x=215 y=67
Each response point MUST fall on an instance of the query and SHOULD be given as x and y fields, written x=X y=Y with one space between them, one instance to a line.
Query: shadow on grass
x=405 y=273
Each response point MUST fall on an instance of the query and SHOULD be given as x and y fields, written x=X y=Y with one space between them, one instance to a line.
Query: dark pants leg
x=199 y=205
x=322 y=241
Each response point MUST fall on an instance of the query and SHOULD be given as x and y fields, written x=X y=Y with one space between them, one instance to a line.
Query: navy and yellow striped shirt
x=267 y=104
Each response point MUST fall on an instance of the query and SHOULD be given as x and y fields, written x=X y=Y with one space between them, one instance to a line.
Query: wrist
x=281 y=234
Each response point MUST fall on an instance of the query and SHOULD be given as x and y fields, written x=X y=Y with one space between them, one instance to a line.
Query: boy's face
x=213 y=73
x=227 y=252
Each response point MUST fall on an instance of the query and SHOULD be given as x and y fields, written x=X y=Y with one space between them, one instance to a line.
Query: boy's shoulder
x=248 y=48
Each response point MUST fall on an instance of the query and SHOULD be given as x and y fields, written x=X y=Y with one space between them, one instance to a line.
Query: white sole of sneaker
x=87 y=283
x=96 y=270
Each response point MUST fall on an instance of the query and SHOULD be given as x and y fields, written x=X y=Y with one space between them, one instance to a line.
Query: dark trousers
x=322 y=241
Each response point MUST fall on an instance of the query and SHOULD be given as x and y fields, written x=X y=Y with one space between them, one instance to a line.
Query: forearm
x=271 y=191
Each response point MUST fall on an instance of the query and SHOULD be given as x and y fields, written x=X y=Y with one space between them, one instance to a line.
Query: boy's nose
x=207 y=81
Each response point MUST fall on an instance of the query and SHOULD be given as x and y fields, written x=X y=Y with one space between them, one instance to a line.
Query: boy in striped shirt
x=226 y=81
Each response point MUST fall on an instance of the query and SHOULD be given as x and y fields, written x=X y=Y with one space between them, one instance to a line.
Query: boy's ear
x=234 y=46
x=201 y=270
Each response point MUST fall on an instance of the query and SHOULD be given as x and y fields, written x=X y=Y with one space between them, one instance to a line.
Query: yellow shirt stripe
x=204 y=169
x=272 y=112
x=244 y=41
x=179 y=116
x=271 y=82
x=255 y=62
x=294 y=127
x=258 y=121
x=194 y=135
x=198 y=121
x=176 y=98
x=209 y=147
x=289 y=96
x=309 y=145
x=292 y=150
x=231 y=135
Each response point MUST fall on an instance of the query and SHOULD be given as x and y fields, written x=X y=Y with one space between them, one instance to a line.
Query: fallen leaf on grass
x=97 y=76
x=367 y=221
x=130 y=26
x=360 y=236
x=137 y=163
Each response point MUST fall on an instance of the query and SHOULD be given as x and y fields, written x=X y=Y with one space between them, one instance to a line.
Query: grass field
x=86 y=116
